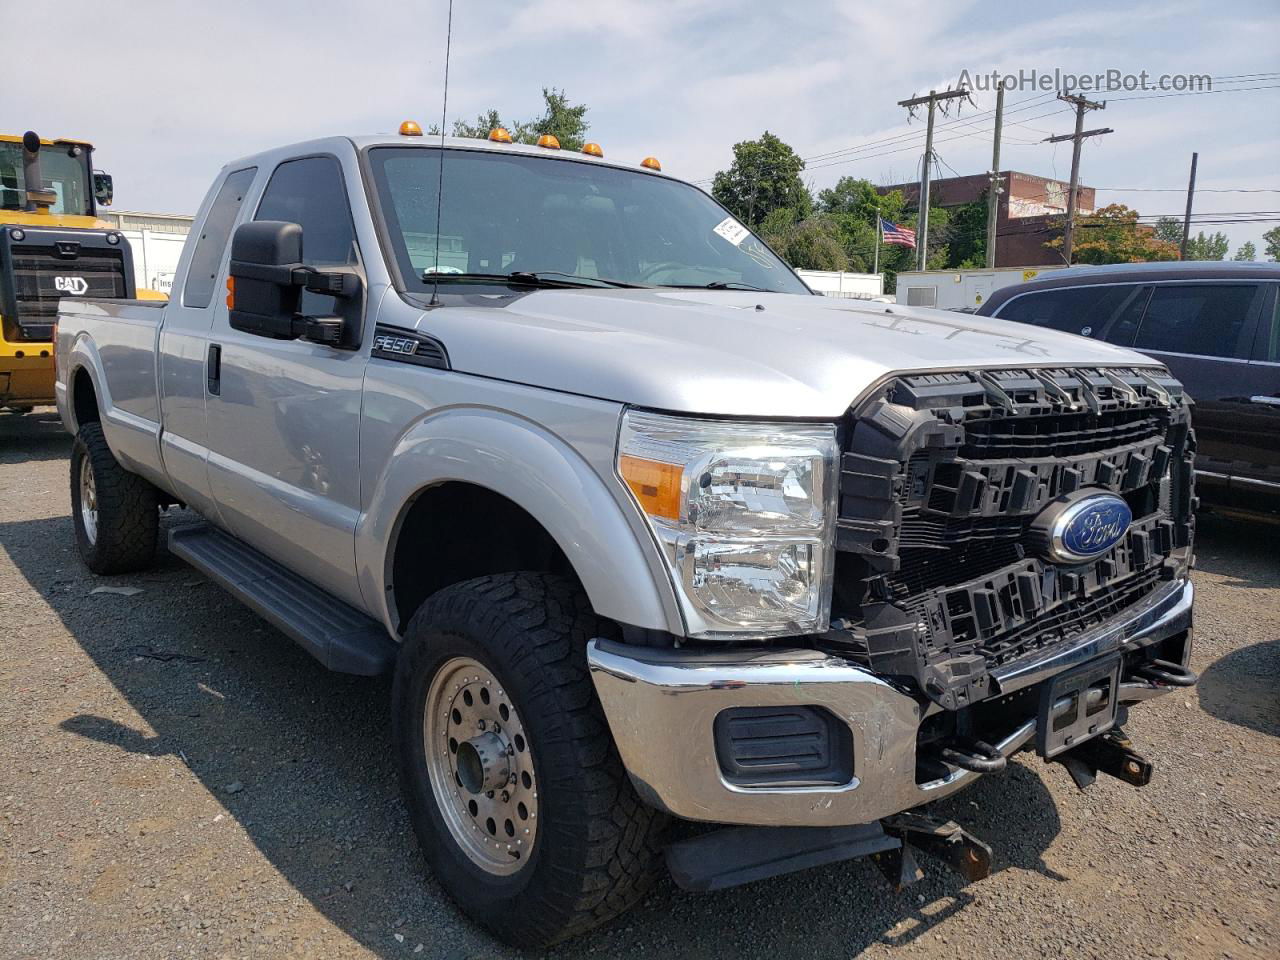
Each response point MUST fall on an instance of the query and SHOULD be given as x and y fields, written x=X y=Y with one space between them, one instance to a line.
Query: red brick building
x=1031 y=211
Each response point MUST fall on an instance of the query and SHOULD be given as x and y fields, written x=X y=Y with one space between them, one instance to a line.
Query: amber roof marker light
x=549 y=141
x=410 y=128
x=592 y=150
x=651 y=162
x=499 y=135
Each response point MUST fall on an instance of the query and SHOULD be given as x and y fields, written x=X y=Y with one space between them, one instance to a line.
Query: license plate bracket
x=1077 y=705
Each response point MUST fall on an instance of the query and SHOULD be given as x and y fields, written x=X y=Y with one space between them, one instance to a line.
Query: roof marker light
x=592 y=149
x=549 y=141
x=410 y=128
x=499 y=135
x=651 y=162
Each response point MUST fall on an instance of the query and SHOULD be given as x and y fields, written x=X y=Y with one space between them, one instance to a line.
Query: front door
x=284 y=422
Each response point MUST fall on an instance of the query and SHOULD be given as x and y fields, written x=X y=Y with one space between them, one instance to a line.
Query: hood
x=732 y=353
x=62 y=221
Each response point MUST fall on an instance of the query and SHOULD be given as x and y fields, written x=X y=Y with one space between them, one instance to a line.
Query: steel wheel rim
x=471 y=730
x=88 y=501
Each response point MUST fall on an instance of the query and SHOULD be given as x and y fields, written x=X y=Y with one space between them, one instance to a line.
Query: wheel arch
x=517 y=477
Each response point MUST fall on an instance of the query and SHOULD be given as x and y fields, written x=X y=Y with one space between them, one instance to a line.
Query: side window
x=1199 y=318
x=1127 y=315
x=202 y=274
x=1266 y=345
x=310 y=192
x=1082 y=310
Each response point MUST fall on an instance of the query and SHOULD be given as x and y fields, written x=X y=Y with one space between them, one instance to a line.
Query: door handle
x=1272 y=401
x=213 y=369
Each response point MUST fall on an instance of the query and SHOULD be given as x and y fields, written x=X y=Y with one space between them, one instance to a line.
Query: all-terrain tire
x=122 y=537
x=595 y=850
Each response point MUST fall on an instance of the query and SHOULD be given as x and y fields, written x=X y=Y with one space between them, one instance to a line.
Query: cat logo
x=73 y=285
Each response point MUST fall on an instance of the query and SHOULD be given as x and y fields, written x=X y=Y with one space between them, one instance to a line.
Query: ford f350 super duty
x=643 y=528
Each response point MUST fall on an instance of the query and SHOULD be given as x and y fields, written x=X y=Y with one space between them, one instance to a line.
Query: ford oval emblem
x=1089 y=527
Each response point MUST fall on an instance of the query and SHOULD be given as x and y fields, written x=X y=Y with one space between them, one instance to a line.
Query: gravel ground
x=177 y=779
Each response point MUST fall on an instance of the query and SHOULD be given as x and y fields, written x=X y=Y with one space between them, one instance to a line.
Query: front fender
x=545 y=476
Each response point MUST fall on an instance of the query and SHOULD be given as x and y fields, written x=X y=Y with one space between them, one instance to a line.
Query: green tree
x=764 y=177
x=1247 y=251
x=565 y=121
x=1169 y=230
x=1213 y=247
x=966 y=235
x=1272 y=240
x=1114 y=235
x=809 y=244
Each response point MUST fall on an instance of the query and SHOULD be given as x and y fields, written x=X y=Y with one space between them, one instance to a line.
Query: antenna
x=444 y=113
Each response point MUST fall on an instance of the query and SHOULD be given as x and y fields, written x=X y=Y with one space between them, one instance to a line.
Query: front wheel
x=516 y=792
x=116 y=513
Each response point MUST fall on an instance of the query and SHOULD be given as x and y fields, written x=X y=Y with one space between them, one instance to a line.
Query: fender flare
x=614 y=558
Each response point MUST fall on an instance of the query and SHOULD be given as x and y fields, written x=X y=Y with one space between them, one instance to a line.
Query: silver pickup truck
x=643 y=528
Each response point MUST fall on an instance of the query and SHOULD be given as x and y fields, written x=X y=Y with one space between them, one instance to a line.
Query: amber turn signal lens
x=592 y=149
x=548 y=141
x=655 y=484
x=231 y=293
x=410 y=128
x=651 y=162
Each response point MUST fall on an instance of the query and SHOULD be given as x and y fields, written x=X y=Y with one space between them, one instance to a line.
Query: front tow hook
x=973 y=755
x=1166 y=672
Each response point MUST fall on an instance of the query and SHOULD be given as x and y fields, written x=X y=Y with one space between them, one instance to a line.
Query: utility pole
x=993 y=192
x=933 y=99
x=1186 y=218
x=1081 y=105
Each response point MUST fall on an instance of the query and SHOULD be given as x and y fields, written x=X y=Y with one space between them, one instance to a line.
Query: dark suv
x=1216 y=326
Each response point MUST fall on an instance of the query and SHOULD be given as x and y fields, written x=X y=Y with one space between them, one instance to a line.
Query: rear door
x=184 y=342
x=1204 y=332
x=1259 y=420
x=284 y=419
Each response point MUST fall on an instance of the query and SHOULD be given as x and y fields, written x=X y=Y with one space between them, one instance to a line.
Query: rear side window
x=310 y=192
x=1082 y=310
x=202 y=274
x=1206 y=319
x=1266 y=344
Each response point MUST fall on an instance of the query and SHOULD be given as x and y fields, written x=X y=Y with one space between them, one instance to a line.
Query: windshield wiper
x=718 y=285
x=551 y=279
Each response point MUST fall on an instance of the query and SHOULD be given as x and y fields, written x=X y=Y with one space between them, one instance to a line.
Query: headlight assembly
x=744 y=513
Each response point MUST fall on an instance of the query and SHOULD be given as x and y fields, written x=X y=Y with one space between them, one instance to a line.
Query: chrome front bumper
x=661 y=706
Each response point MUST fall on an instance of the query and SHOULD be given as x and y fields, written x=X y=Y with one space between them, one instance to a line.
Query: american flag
x=892 y=233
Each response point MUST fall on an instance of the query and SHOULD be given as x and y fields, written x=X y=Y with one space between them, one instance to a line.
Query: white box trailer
x=156 y=241
x=958 y=289
x=835 y=283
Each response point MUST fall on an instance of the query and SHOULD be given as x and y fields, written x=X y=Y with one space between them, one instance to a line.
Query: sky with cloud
x=169 y=91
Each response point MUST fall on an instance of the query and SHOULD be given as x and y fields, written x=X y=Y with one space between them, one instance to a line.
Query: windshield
x=507 y=213
x=65 y=175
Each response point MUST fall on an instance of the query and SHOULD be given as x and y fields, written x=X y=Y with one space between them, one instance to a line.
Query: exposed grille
x=943 y=476
x=48 y=265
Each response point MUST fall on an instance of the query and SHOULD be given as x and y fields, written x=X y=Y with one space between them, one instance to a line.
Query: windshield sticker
x=732 y=231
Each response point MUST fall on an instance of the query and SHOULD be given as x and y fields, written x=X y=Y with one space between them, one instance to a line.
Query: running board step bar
x=339 y=636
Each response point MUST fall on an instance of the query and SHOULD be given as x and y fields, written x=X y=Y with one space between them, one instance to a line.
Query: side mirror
x=103 y=188
x=267 y=277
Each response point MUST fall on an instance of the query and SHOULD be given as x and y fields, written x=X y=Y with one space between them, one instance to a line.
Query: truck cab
x=642 y=528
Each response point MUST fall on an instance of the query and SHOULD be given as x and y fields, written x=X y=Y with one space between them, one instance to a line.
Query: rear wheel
x=115 y=512
x=516 y=792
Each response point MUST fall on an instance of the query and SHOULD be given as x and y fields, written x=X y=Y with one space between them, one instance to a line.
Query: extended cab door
x=284 y=415
x=184 y=341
